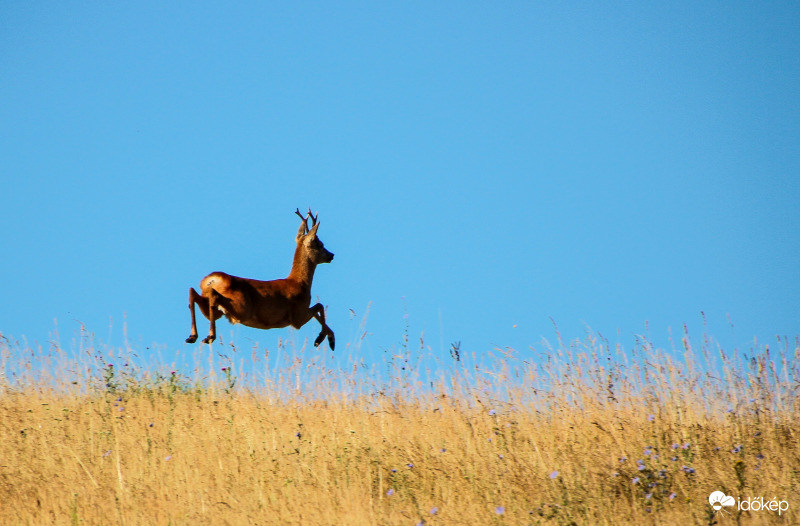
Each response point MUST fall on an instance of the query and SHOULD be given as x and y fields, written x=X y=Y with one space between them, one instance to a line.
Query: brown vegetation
x=587 y=435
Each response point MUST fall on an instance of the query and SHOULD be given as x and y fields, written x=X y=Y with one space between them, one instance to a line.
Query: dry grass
x=585 y=435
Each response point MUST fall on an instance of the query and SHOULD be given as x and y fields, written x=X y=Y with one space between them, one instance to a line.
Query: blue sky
x=480 y=167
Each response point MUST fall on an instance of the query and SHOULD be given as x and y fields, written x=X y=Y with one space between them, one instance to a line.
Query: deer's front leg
x=318 y=312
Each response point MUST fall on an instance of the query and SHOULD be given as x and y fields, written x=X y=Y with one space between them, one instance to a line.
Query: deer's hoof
x=209 y=339
x=191 y=339
x=319 y=339
x=331 y=341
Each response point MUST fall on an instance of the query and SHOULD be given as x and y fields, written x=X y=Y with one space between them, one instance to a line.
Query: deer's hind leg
x=194 y=297
x=216 y=313
x=206 y=308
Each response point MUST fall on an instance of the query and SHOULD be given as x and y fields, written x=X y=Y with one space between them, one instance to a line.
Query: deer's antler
x=304 y=218
x=313 y=217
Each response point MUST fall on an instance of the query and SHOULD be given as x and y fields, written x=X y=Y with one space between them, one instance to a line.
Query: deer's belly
x=269 y=323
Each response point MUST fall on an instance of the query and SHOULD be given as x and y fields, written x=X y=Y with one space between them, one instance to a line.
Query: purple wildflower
x=635 y=480
x=434 y=510
x=672 y=495
x=554 y=474
x=390 y=492
x=500 y=510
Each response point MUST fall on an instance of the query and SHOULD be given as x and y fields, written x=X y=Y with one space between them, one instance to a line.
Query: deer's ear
x=302 y=230
x=313 y=231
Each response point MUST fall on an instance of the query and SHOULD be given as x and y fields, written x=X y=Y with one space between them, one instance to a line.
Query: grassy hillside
x=578 y=434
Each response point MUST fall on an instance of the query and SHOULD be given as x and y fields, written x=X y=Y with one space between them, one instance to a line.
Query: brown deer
x=267 y=304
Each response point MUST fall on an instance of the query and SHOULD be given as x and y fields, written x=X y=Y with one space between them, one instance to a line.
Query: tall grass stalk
x=580 y=432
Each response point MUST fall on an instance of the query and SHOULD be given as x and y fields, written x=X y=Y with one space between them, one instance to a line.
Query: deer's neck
x=302 y=268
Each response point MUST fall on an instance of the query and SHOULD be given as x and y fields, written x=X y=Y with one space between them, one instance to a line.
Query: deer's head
x=307 y=238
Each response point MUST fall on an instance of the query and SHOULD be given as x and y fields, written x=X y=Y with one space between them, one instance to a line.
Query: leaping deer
x=267 y=304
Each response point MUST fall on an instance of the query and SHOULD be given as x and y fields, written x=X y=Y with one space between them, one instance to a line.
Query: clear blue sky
x=488 y=165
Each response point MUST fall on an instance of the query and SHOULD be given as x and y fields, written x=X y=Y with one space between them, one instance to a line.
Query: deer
x=267 y=304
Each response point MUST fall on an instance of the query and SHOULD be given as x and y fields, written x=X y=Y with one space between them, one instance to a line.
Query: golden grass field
x=579 y=433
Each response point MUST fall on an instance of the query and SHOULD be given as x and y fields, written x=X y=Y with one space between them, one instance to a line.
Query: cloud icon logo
x=719 y=499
